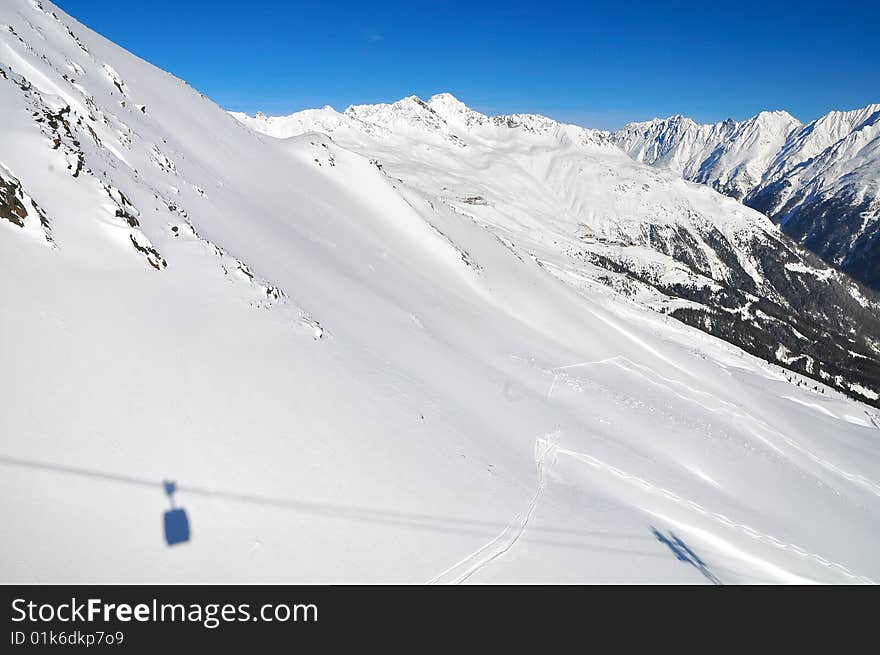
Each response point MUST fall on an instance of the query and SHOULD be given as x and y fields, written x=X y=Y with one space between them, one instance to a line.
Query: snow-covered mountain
x=356 y=377
x=576 y=204
x=820 y=181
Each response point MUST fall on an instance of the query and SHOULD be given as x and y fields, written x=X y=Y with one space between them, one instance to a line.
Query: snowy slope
x=820 y=180
x=352 y=381
x=568 y=198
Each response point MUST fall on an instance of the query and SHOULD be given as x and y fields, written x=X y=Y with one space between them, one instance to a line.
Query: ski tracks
x=728 y=408
x=507 y=538
x=715 y=516
x=548 y=447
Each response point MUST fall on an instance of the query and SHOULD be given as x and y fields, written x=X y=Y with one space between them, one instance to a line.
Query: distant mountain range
x=574 y=202
x=820 y=180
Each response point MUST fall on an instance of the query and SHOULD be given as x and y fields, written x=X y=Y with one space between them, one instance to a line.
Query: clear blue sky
x=597 y=64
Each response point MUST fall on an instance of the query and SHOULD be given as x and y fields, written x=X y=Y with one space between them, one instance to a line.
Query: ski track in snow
x=716 y=516
x=464 y=569
x=507 y=538
x=731 y=410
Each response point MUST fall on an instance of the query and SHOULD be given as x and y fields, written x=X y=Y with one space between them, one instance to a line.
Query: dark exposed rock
x=154 y=259
x=11 y=206
x=803 y=315
x=843 y=231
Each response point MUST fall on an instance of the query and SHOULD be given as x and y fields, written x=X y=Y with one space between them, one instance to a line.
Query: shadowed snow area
x=351 y=380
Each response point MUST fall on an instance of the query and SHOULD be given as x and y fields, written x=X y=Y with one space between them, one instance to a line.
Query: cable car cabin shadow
x=176 y=526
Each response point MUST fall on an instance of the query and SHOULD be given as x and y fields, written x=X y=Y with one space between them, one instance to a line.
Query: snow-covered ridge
x=442 y=114
x=732 y=155
x=391 y=367
x=819 y=180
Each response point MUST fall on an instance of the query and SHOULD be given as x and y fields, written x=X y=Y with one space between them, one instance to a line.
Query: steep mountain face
x=580 y=207
x=356 y=378
x=729 y=156
x=819 y=181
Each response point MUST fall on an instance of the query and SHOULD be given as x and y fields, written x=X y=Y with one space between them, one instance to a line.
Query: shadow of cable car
x=685 y=553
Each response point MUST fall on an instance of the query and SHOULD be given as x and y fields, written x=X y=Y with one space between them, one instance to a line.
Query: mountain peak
x=798 y=174
x=775 y=117
x=447 y=104
x=446 y=98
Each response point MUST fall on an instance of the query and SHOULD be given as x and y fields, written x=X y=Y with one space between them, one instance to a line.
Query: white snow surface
x=359 y=378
